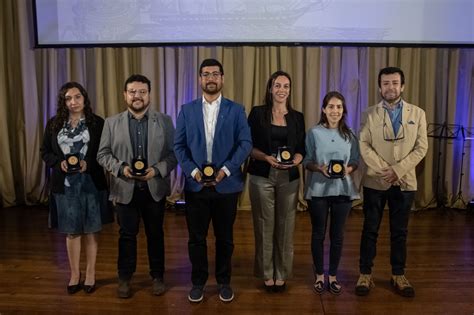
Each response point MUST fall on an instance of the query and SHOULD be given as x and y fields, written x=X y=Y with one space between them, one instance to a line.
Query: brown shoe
x=158 y=287
x=364 y=284
x=123 y=289
x=402 y=286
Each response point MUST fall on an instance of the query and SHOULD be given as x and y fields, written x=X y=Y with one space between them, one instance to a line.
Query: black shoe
x=123 y=289
x=279 y=288
x=196 y=294
x=72 y=289
x=89 y=288
x=318 y=287
x=335 y=288
x=269 y=288
x=226 y=294
x=158 y=287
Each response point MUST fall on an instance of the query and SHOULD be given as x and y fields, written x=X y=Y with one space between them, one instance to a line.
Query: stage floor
x=34 y=270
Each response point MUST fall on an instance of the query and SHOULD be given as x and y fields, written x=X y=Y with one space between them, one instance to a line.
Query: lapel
x=155 y=137
x=406 y=117
x=199 y=117
x=223 y=113
x=123 y=123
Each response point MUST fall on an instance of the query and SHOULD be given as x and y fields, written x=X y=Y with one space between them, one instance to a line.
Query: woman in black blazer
x=78 y=193
x=274 y=180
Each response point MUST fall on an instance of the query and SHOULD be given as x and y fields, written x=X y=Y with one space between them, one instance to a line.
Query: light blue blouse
x=323 y=145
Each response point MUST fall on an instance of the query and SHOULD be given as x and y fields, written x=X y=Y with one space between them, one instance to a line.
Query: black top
x=261 y=128
x=138 y=134
x=53 y=156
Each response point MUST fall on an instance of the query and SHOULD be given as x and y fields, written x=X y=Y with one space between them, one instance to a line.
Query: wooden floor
x=34 y=271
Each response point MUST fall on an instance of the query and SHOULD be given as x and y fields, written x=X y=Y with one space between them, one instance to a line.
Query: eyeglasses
x=386 y=131
x=139 y=92
x=209 y=75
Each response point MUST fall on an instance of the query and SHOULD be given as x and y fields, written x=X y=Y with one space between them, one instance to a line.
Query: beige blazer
x=403 y=154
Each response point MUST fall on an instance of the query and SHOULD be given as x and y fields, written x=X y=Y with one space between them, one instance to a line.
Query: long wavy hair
x=342 y=127
x=62 y=112
x=268 y=100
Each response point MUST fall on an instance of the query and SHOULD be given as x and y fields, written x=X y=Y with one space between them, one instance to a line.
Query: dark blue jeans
x=201 y=208
x=128 y=216
x=399 y=204
x=319 y=209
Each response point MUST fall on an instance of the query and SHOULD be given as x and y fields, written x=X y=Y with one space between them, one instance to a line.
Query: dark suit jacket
x=260 y=126
x=116 y=149
x=53 y=156
x=231 y=147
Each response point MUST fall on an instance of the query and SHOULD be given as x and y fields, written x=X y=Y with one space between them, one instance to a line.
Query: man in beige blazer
x=393 y=140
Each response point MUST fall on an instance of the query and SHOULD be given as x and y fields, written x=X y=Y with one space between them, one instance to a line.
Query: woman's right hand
x=64 y=166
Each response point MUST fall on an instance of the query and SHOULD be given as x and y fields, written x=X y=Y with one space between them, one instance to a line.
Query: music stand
x=467 y=135
x=441 y=132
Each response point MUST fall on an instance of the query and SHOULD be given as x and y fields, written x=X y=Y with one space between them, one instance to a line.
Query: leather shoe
x=158 y=287
x=89 y=288
x=72 y=289
x=123 y=290
x=279 y=288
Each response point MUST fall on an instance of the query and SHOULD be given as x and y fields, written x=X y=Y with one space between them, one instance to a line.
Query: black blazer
x=52 y=156
x=260 y=127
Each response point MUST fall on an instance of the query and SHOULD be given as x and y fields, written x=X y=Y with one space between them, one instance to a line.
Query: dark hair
x=342 y=127
x=211 y=63
x=137 y=78
x=62 y=112
x=268 y=101
x=391 y=70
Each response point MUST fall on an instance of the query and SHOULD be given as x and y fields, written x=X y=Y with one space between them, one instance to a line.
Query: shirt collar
x=217 y=101
x=396 y=107
x=130 y=115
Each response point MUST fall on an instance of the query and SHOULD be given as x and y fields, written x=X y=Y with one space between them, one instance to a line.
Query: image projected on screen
x=89 y=22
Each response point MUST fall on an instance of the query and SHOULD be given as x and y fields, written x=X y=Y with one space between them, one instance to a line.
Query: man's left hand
x=389 y=175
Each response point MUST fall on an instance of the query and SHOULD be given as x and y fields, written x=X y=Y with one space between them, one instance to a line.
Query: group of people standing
x=139 y=147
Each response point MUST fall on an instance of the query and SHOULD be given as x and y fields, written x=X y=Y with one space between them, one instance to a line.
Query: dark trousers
x=319 y=209
x=201 y=208
x=128 y=216
x=399 y=204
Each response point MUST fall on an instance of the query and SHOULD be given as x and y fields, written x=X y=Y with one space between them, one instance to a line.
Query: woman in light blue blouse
x=330 y=139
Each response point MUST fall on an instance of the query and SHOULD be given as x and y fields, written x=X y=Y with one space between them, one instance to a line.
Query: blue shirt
x=322 y=145
x=395 y=115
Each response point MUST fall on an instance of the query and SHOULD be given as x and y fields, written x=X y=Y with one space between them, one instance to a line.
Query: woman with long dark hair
x=78 y=193
x=278 y=132
x=332 y=154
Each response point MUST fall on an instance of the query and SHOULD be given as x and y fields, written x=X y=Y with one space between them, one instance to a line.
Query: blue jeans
x=128 y=215
x=319 y=209
x=399 y=204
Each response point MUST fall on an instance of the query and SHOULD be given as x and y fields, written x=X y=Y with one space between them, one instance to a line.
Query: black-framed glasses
x=137 y=92
x=386 y=131
x=209 y=75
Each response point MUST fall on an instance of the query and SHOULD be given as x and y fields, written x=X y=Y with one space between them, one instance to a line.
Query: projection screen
x=154 y=22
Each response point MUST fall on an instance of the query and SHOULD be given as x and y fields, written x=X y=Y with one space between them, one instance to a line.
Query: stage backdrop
x=439 y=80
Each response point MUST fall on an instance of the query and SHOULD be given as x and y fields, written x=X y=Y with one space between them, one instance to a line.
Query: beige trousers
x=273 y=202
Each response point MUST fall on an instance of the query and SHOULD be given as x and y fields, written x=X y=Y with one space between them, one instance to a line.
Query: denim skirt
x=79 y=208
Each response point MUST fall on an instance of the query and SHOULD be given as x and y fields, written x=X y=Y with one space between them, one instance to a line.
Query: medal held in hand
x=336 y=169
x=285 y=155
x=208 y=173
x=73 y=163
x=139 y=166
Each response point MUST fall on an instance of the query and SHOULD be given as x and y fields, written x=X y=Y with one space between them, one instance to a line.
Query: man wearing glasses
x=393 y=140
x=211 y=143
x=136 y=147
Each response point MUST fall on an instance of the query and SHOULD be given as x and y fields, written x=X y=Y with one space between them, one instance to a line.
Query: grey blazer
x=115 y=149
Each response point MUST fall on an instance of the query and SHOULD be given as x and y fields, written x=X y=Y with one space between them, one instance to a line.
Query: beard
x=390 y=97
x=211 y=88
x=138 y=106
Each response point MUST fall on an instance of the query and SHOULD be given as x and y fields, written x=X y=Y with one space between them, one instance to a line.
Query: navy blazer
x=260 y=125
x=231 y=147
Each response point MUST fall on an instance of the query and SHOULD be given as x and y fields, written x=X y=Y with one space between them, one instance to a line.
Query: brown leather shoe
x=123 y=289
